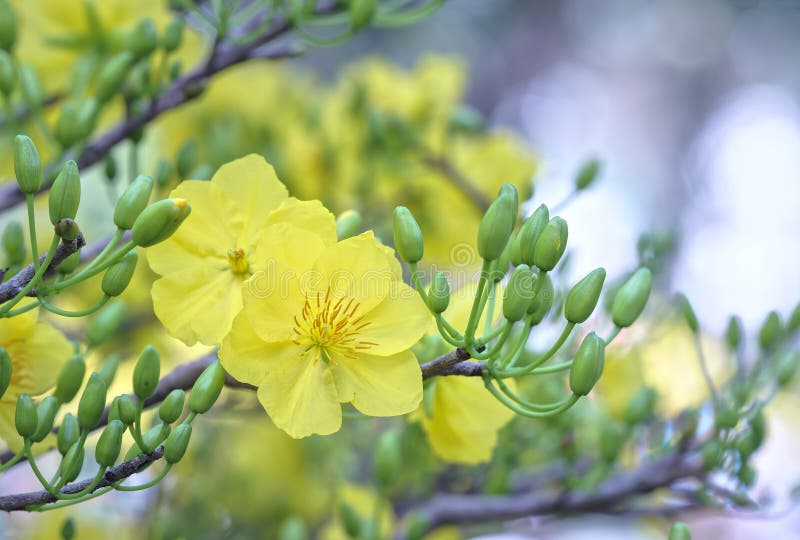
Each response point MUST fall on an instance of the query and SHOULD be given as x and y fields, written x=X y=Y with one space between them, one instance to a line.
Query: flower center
x=327 y=329
x=238 y=261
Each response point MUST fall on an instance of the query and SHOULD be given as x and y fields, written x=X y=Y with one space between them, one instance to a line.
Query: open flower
x=38 y=352
x=324 y=325
x=215 y=250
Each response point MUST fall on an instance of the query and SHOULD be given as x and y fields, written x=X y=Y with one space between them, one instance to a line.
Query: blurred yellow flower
x=219 y=246
x=327 y=324
x=37 y=351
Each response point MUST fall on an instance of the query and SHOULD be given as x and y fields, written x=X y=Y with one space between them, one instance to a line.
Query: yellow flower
x=324 y=325
x=462 y=418
x=217 y=248
x=37 y=351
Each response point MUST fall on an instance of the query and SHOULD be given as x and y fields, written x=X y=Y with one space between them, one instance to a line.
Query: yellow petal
x=253 y=186
x=211 y=229
x=397 y=323
x=300 y=397
x=198 y=303
x=379 y=385
x=246 y=356
x=309 y=215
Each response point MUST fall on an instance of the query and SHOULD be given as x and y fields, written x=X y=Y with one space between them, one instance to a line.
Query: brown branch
x=456 y=362
x=21 y=501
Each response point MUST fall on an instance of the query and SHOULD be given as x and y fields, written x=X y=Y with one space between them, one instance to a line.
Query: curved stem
x=516 y=372
x=524 y=411
x=159 y=477
x=85 y=491
x=80 y=313
x=87 y=273
x=36 y=279
x=541 y=407
x=475 y=312
x=62 y=504
x=32 y=230
x=106 y=250
x=35 y=468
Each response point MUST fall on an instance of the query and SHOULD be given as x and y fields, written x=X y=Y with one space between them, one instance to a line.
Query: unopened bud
x=67 y=229
x=439 y=293
x=583 y=297
x=407 y=235
x=172 y=406
x=92 y=403
x=771 y=331
x=112 y=75
x=118 y=275
x=587 y=174
x=70 y=379
x=158 y=221
x=177 y=443
x=587 y=366
x=109 y=444
x=551 y=244
x=688 y=312
x=105 y=323
x=518 y=294
x=68 y=433
x=25 y=419
x=143 y=39
x=348 y=224
x=173 y=35
x=45 y=416
x=65 y=194
x=14 y=243
x=495 y=228
x=27 y=164
x=146 y=373
x=207 y=388
x=8 y=73
x=631 y=298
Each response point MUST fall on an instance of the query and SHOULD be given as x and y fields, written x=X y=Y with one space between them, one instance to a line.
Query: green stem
x=62 y=504
x=704 y=368
x=448 y=333
x=545 y=357
x=85 y=491
x=474 y=314
x=80 y=313
x=15 y=312
x=540 y=407
x=613 y=334
x=495 y=347
x=35 y=468
x=553 y=368
x=13 y=461
x=106 y=250
x=523 y=411
x=159 y=477
x=516 y=351
x=29 y=200
x=390 y=20
x=86 y=274
x=36 y=279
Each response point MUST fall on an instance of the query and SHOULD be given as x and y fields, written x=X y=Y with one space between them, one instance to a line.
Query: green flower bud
x=8 y=26
x=771 y=331
x=173 y=35
x=155 y=436
x=163 y=173
x=611 y=441
x=132 y=202
x=551 y=244
x=72 y=463
x=348 y=224
x=583 y=297
x=631 y=298
x=5 y=371
x=66 y=130
x=105 y=323
x=641 y=407
x=747 y=475
x=27 y=164
x=786 y=368
x=139 y=81
x=351 y=521
x=361 y=12
x=113 y=410
x=118 y=275
x=65 y=195
x=31 y=87
x=496 y=228
x=528 y=235
x=541 y=304
x=207 y=388
x=679 y=531
x=86 y=118
x=68 y=433
x=688 y=312
x=587 y=174
x=158 y=221
x=746 y=444
x=112 y=75
x=509 y=193
x=143 y=39
x=187 y=158
x=725 y=416
x=108 y=369
x=388 y=458
x=14 y=243
x=68 y=529
x=146 y=373
x=70 y=379
x=110 y=169
x=587 y=366
x=177 y=443
x=734 y=331
x=45 y=416
x=127 y=410
x=92 y=403
x=8 y=73
x=109 y=444
x=518 y=294
x=25 y=418
x=499 y=271
x=793 y=325
x=407 y=235
x=67 y=229
x=439 y=293
x=172 y=407
x=68 y=265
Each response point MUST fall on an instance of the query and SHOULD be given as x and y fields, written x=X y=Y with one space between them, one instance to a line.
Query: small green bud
x=68 y=265
x=351 y=521
x=361 y=12
x=70 y=379
x=551 y=244
x=138 y=81
x=86 y=118
x=105 y=323
x=712 y=455
x=155 y=436
x=746 y=444
x=68 y=433
x=132 y=202
x=541 y=304
x=67 y=229
x=127 y=410
x=8 y=26
x=68 y=529
x=143 y=39
x=771 y=331
x=388 y=458
x=118 y=275
x=688 y=312
x=496 y=228
x=793 y=325
x=66 y=130
x=163 y=173
x=113 y=410
x=6 y=369
x=509 y=193
x=172 y=407
x=583 y=297
x=173 y=35
x=109 y=444
x=158 y=221
x=641 y=406
x=45 y=416
x=747 y=475
x=27 y=164
x=407 y=235
x=518 y=294
x=528 y=235
x=8 y=74
x=187 y=158
x=734 y=332
x=65 y=195
x=758 y=426
x=25 y=418
x=14 y=243
x=587 y=174
x=725 y=416
x=348 y=224
x=72 y=463
x=108 y=369
x=92 y=403
x=112 y=75
x=110 y=169
x=146 y=373
x=787 y=367
x=439 y=293
x=177 y=443
x=31 y=87
x=207 y=388
x=679 y=531
x=587 y=366
x=631 y=298
x=611 y=441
